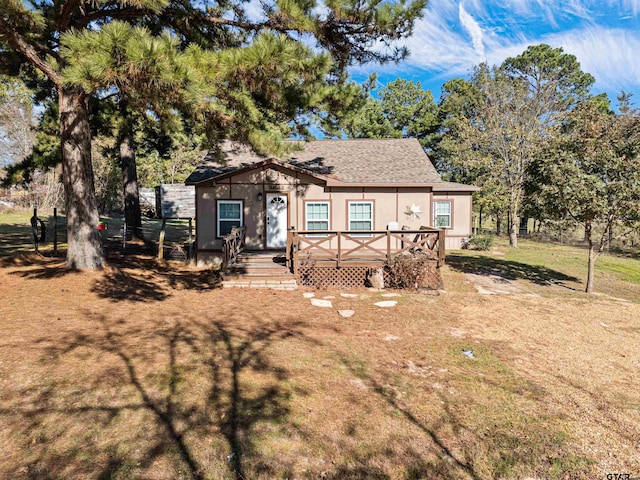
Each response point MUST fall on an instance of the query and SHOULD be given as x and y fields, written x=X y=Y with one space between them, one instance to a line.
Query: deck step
x=251 y=269
x=242 y=265
x=261 y=269
x=273 y=283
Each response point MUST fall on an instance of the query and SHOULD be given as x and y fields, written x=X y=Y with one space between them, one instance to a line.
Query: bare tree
x=16 y=121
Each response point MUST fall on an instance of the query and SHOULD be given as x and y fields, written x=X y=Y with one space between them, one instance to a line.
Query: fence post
x=124 y=237
x=161 y=240
x=55 y=230
x=190 y=238
x=339 y=248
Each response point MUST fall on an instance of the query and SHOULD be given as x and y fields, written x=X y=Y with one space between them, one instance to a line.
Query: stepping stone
x=346 y=313
x=390 y=295
x=321 y=303
x=308 y=294
x=348 y=295
x=390 y=338
x=386 y=303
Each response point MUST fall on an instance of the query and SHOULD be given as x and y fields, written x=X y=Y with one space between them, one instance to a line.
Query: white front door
x=276 y=220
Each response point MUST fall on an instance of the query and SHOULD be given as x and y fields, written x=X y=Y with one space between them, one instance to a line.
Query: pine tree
x=349 y=31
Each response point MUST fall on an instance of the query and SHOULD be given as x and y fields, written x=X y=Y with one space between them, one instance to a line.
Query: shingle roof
x=363 y=161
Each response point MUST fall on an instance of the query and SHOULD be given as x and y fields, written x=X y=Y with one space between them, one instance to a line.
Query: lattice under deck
x=311 y=274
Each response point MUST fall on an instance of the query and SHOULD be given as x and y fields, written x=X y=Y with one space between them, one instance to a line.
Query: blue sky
x=454 y=36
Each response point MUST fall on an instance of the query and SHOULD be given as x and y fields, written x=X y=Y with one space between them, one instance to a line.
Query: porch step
x=259 y=269
x=264 y=269
x=273 y=283
x=276 y=257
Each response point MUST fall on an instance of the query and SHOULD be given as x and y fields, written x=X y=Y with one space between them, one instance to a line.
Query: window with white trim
x=229 y=216
x=442 y=214
x=360 y=215
x=317 y=216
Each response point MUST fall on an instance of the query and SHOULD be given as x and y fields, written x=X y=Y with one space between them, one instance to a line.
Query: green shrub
x=482 y=242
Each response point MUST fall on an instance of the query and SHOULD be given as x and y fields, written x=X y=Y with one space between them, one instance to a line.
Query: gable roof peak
x=351 y=161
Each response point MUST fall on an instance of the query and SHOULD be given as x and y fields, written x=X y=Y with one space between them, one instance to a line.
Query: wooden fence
x=362 y=247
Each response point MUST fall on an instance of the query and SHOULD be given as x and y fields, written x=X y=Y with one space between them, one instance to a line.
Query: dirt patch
x=149 y=370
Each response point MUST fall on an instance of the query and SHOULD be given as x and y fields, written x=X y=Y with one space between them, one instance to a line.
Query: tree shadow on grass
x=142 y=279
x=135 y=278
x=509 y=270
x=500 y=443
x=187 y=396
x=36 y=266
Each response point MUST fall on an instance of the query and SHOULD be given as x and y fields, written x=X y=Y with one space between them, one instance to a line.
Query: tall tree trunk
x=593 y=256
x=132 y=214
x=513 y=216
x=498 y=223
x=513 y=229
x=480 y=221
x=83 y=239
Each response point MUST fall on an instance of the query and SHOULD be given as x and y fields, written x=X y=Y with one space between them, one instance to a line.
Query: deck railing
x=362 y=246
x=232 y=245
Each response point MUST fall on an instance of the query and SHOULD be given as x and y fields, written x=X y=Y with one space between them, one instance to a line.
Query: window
x=360 y=215
x=317 y=216
x=442 y=214
x=229 y=216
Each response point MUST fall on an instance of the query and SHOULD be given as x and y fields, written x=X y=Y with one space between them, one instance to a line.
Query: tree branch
x=66 y=10
x=16 y=41
x=112 y=14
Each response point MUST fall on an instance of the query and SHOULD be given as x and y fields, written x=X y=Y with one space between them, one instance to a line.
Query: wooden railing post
x=287 y=253
x=441 y=234
x=295 y=241
x=388 y=243
x=339 y=248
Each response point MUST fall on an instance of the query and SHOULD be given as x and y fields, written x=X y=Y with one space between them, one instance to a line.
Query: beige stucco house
x=344 y=185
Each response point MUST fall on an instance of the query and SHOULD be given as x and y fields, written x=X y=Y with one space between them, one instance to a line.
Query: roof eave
x=435 y=186
x=258 y=165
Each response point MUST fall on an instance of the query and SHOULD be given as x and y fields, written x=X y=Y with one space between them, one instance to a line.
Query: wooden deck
x=364 y=248
x=329 y=258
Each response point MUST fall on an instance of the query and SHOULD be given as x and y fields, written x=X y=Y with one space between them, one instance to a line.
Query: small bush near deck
x=412 y=271
x=482 y=242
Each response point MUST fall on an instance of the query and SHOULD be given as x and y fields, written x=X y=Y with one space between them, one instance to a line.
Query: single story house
x=329 y=185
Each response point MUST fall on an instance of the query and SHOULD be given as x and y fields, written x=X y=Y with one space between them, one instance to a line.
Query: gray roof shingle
x=362 y=161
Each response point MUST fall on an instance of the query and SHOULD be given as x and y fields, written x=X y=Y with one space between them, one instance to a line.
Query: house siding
x=390 y=205
x=461 y=207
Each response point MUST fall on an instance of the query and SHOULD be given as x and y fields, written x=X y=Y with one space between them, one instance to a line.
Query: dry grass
x=150 y=371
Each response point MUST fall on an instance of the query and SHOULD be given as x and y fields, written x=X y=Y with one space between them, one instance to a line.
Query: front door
x=276 y=220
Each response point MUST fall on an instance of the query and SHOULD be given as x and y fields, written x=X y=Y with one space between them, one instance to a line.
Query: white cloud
x=474 y=29
x=610 y=55
x=452 y=38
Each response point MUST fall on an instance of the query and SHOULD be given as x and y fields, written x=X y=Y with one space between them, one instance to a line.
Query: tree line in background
x=528 y=131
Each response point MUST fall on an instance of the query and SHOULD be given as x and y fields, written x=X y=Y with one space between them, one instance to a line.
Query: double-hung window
x=361 y=215
x=317 y=216
x=442 y=214
x=229 y=216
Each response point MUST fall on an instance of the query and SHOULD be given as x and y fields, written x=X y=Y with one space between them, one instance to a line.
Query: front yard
x=148 y=370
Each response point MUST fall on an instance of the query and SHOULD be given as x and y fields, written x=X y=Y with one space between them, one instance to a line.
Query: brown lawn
x=151 y=371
